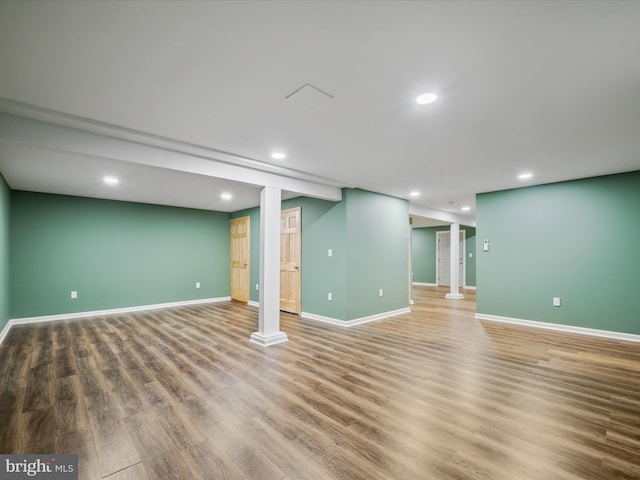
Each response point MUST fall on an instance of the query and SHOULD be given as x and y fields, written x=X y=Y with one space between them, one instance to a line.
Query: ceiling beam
x=135 y=147
x=434 y=214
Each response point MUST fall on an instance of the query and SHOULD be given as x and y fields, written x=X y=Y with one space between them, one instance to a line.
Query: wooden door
x=290 y=259
x=240 y=259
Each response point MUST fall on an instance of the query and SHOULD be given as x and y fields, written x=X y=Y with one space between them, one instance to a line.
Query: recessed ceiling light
x=111 y=180
x=278 y=155
x=226 y=196
x=466 y=208
x=414 y=194
x=525 y=176
x=427 y=98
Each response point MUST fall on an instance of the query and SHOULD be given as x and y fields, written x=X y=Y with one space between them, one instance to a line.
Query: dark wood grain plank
x=182 y=393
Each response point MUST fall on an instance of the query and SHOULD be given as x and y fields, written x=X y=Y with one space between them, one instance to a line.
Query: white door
x=443 y=272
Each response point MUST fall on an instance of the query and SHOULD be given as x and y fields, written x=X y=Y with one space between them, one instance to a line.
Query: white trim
x=560 y=328
x=111 y=311
x=5 y=331
x=268 y=340
x=469 y=287
x=356 y=321
x=424 y=284
x=253 y=303
x=454 y=296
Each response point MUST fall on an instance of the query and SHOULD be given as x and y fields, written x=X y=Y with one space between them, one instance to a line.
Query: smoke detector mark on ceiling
x=309 y=95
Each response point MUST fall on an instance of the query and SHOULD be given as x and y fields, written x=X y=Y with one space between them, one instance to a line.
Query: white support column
x=454 y=263
x=269 y=314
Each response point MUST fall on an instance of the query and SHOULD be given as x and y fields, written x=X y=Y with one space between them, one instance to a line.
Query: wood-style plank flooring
x=434 y=394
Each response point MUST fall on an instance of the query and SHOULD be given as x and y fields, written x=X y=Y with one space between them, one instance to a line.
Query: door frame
x=463 y=280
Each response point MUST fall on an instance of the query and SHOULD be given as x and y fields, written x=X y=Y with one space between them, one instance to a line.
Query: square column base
x=454 y=296
x=266 y=341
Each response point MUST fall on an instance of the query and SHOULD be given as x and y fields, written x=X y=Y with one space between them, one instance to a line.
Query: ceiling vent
x=309 y=96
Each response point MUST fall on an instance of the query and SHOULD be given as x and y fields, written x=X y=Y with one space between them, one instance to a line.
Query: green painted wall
x=576 y=240
x=115 y=254
x=5 y=198
x=378 y=253
x=368 y=235
x=322 y=228
x=423 y=254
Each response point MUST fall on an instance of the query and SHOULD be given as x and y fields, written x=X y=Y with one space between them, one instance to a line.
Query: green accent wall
x=322 y=228
x=575 y=240
x=114 y=254
x=378 y=253
x=423 y=254
x=368 y=235
x=5 y=198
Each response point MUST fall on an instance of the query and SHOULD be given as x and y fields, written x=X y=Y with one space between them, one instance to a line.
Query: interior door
x=444 y=258
x=240 y=259
x=290 y=259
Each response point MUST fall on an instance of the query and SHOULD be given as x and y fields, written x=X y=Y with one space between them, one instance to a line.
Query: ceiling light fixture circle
x=426 y=98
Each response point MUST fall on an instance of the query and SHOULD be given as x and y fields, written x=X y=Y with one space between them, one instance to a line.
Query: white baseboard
x=356 y=321
x=560 y=328
x=258 y=338
x=111 y=311
x=5 y=330
x=253 y=303
x=420 y=284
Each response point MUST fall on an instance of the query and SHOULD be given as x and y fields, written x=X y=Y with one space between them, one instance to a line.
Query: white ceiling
x=547 y=87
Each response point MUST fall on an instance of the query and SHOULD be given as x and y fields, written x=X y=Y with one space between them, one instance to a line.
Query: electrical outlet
x=380 y=293
x=330 y=252
x=197 y=284
x=556 y=301
x=257 y=286
x=330 y=296
x=74 y=294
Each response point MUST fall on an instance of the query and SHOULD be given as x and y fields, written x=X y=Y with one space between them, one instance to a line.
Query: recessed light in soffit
x=110 y=180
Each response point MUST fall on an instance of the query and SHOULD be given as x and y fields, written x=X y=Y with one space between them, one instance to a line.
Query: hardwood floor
x=435 y=394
